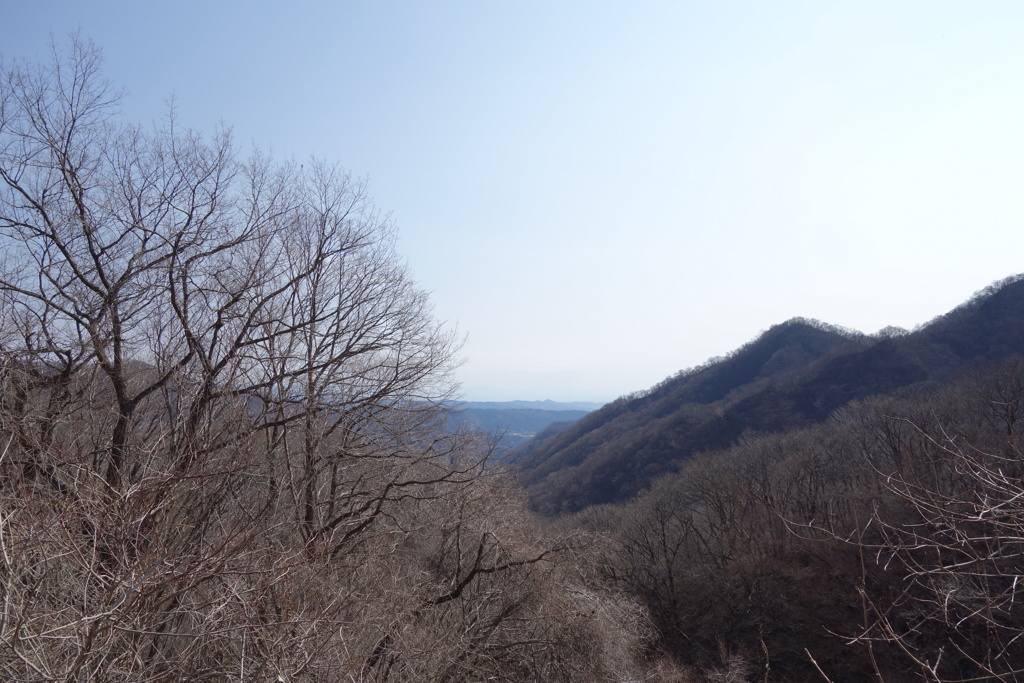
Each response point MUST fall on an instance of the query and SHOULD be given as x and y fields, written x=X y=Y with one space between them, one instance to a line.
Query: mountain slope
x=793 y=375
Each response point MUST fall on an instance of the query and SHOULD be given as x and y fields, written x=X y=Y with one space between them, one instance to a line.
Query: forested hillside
x=883 y=544
x=794 y=375
x=850 y=515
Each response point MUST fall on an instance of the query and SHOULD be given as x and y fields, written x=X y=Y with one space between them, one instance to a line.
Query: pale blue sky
x=599 y=194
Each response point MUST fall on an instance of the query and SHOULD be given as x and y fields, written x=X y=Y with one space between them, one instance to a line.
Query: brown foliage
x=219 y=406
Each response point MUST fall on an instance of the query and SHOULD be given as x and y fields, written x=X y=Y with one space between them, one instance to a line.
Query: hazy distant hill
x=585 y=406
x=517 y=421
x=795 y=374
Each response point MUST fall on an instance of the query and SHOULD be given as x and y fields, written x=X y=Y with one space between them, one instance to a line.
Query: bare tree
x=958 y=614
x=169 y=311
x=221 y=455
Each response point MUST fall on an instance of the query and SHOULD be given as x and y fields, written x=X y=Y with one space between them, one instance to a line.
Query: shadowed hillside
x=794 y=375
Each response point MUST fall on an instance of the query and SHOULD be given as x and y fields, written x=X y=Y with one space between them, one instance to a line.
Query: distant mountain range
x=548 y=404
x=516 y=421
x=796 y=374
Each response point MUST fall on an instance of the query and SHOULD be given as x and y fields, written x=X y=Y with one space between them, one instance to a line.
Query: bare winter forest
x=223 y=456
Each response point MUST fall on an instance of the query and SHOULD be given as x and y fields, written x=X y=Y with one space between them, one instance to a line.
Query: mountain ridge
x=795 y=374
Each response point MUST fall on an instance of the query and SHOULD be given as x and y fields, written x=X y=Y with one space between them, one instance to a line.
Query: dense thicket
x=219 y=447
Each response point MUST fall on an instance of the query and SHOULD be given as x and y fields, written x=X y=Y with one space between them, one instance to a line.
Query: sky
x=599 y=194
